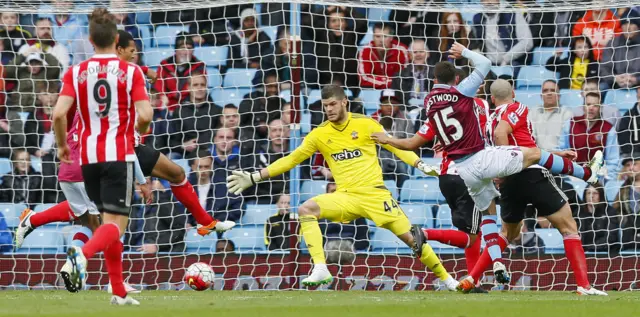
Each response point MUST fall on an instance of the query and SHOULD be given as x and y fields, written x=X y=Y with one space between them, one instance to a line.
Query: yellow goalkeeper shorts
x=375 y=204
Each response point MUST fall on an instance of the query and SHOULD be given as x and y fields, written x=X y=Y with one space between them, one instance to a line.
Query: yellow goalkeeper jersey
x=348 y=150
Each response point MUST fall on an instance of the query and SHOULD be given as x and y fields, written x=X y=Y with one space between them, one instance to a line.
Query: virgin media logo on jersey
x=122 y=77
x=441 y=98
x=346 y=155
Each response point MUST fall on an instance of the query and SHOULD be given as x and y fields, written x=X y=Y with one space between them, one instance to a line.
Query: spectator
x=629 y=130
x=414 y=81
x=24 y=185
x=165 y=223
x=621 y=59
x=628 y=167
x=336 y=50
x=452 y=29
x=628 y=14
x=230 y=117
x=174 y=72
x=597 y=222
x=160 y=126
x=280 y=61
x=70 y=30
x=200 y=178
x=263 y=105
x=210 y=26
x=541 y=23
x=528 y=242
x=28 y=69
x=564 y=21
x=126 y=21
x=6 y=236
x=393 y=116
x=276 y=230
x=44 y=41
x=226 y=158
x=47 y=96
x=5 y=57
x=225 y=246
x=505 y=37
x=415 y=24
x=381 y=59
x=548 y=119
x=600 y=26
x=267 y=153
x=608 y=112
x=589 y=133
x=628 y=204
x=248 y=44
x=13 y=35
x=576 y=68
x=194 y=122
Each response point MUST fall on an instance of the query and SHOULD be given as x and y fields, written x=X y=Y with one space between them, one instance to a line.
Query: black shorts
x=110 y=186
x=533 y=186
x=464 y=214
x=147 y=157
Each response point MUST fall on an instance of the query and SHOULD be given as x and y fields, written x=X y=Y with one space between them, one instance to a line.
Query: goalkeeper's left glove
x=427 y=169
x=238 y=181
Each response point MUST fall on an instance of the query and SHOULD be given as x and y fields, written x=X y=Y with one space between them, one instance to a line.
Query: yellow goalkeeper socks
x=431 y=260
x=313 y=237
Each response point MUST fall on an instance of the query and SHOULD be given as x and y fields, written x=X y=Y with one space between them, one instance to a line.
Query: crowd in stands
x=386 y=66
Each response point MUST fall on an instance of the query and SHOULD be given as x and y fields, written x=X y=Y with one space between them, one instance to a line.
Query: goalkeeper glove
x=427 y=169
x=238 y=181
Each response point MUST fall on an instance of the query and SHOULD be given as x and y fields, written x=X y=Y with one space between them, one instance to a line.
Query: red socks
x=58 y=213
x=104 y=236
x=485 y=259
x=185 y=193
x=113 y=259
x=472 y=252
x=575 y=253
x=450 y=237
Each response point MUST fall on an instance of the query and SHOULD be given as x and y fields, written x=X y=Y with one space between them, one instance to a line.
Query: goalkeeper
x=344 y=141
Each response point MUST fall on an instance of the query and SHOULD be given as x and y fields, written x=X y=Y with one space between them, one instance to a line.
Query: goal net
x=236 y=85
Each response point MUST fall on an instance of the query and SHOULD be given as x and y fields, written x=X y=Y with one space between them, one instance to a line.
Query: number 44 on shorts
x=394 y=205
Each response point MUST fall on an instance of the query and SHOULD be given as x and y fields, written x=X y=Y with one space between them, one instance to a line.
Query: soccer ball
x=199 y=276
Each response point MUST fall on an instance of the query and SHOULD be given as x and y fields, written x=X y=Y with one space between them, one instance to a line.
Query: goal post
x=260 y=67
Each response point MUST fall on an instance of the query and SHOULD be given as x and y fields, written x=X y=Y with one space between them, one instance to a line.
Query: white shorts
x=479 y=170
x=78 y=200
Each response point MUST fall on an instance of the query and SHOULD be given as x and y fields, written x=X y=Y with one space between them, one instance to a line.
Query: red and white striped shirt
x=105 y=90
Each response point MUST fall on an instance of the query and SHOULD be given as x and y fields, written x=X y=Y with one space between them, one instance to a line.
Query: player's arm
x=66 y=100
x=406 y=146
x=140 y=97
x=238 y=181
x=501 y=133
x=469 y=86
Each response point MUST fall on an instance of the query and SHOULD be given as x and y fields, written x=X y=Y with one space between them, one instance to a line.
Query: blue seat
x=579 y=186
x=286 y=95
x=184 y=164
x=258 y=214
x=12 y=213
x=571 y=98
x=229 y=95
x=143 y=17
x=416 y=102
x=542 y=54
x=553 y=242
x=247 y=239
x=376 y=15
x=165 y=35
x=441 y=248
x=311 y=189
x=502 y=70
x=212 y=56
x=43 y=241
x=529 y=97
x=421 y=190
x=611 y=189
x=145 y=33
x=418 y=214
x=623 y=99
x=271 y=32
x=443 y=217
x=370 y=99
x=43 y=207
x=392 y=187
x=367 y=38
x=5 y=166
x=153 y=56
x=385 y=241
x=195 y=243
x=239 y=77
x=305 y=123
x=533 y=76
x=36 y=163
x=214 y=78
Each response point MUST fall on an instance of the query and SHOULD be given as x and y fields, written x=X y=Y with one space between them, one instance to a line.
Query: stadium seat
x=286 y=95
x=184 y=164
x=502 y=70
x=214 y=78
x=384 y=241
x=533 y=76
x=552 y=240
x=376 y=15
x=36 y=163
x=153 y=56
x=571 y=98
x=305 y=123
x=143 y=17
x=310 y=189
x=421 y=190
x=212 y=56
x=611 y=189
x=531 y=98
x=370 y=99
x=416 y=102
x=43 y=241
x=239 y=77
x=5 y=166
x=145 y=34
x=578 y=185
x=623 y=99
x=367 y=38
x=542 y=54
x=165 y=35
x=441 y=248
x=229 y=95
x=198 y=244
x=43 y=207
x=443 y=217
x=392 y=187
x=247 y=239
x=11 y=213
x=271 y=32
x=258 y=214
x=418 y=214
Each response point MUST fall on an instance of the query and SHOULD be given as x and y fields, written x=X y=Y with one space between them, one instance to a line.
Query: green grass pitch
x=320 y=303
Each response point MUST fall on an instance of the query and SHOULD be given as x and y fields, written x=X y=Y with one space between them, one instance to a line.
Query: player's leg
x=29 y=220
x=560 y=165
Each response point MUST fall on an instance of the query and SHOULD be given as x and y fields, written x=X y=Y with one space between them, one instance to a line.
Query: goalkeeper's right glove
x=427 y=169
x=238 y=181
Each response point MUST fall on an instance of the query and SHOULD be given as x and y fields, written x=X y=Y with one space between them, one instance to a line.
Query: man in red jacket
x=600 y=26
x=175 y=72
x=382 y=58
